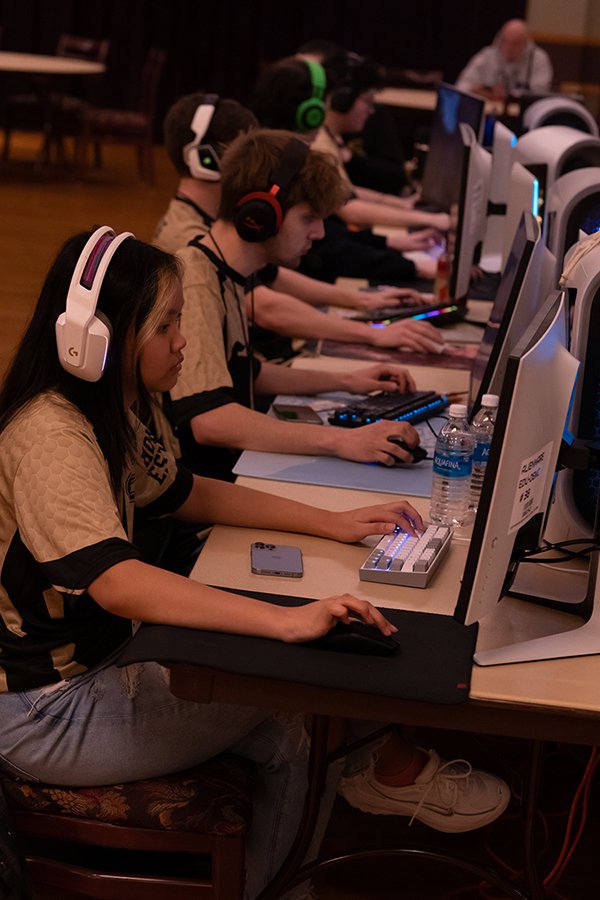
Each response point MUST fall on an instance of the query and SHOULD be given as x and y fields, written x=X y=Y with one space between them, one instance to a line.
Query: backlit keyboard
x=437 y=313
x=413 y=406
x=400 y=558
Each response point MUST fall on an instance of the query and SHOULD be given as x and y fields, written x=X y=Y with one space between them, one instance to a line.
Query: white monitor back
x=503 y=151
x=572 y=206
x=522 y=197
x=558 y=110
x=471 y=210
x=570 y=516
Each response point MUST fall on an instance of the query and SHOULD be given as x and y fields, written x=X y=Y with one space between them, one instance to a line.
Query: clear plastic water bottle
x=452 y=469
x=482 y=427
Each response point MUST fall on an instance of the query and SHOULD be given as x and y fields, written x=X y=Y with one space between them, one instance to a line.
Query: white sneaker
x=448 y=796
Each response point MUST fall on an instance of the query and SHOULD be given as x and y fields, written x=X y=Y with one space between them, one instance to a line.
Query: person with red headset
x=197 y=129
x=275 y=193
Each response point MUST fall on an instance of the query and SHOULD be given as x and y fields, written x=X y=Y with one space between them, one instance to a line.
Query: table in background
x=44 y=72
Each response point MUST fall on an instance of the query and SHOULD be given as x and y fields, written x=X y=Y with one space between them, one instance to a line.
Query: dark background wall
x=220 y=46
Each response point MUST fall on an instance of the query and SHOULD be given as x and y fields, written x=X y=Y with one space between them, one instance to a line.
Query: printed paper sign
x=530 y=486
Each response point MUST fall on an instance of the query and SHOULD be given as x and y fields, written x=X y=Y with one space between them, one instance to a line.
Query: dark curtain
x=220 y=46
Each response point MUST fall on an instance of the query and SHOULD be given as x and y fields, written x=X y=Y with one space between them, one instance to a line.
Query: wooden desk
x=37 y=64
x=410 y=98
x=415 y=98
x=554 y=700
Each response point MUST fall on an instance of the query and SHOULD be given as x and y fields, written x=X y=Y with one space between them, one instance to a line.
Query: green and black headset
x=310 y=113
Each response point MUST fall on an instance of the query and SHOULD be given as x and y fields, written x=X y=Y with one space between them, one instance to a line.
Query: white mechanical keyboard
x=400 y=558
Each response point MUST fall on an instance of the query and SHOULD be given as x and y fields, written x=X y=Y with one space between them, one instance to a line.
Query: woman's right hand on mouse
x=313 y=620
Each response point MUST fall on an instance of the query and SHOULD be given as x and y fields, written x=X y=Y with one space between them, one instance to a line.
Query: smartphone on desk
x=290 y=412
x=276 y=559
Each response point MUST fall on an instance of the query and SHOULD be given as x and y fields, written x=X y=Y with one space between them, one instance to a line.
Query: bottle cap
x=490 y=400
x=458 y=411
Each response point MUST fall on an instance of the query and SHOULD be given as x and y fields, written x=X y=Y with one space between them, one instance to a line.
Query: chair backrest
x=82 y=48
x=151 y=71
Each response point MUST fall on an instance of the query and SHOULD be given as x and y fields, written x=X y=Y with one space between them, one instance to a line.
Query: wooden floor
x=41 y=206
x=39 y=209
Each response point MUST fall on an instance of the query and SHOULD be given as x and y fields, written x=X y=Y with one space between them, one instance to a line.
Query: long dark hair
x=128 y=295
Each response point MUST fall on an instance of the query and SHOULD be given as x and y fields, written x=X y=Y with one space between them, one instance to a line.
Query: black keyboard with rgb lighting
x=415 y=406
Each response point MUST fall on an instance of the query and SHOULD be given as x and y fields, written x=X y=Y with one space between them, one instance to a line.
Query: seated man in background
x=285 y=301
x=274 y=195
x=511 y=65
x=350 y=247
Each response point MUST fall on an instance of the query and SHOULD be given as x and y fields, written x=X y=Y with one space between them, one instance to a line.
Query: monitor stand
x=491 y=259
x=522 y=631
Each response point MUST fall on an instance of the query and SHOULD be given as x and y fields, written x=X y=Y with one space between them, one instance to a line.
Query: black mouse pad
x=433 y=663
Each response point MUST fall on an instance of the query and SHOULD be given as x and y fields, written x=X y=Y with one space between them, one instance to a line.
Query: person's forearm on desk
x=230 y=504
x=367 y=214
x=132 y=589
x=293 y=318
x=276 y=379
x=374 y=196
x=240 y=428
x=320 y=293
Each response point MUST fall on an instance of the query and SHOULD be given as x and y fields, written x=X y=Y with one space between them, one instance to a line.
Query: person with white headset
x=76 y=462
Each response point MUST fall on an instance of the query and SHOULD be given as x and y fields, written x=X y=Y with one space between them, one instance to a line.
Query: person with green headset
x=350 y=248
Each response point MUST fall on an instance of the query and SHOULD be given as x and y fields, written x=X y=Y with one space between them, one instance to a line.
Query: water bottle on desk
x=452 y=462
x=482 y=427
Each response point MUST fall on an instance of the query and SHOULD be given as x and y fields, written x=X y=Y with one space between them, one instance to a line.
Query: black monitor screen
x=493 y=341
x=441 y=178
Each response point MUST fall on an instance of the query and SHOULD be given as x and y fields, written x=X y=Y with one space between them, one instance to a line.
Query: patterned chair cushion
x=213 y=798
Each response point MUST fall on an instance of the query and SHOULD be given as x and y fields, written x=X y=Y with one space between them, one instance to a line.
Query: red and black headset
x=259 y=214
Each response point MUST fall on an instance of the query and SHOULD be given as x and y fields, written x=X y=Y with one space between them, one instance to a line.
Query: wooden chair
x=135 y=127
x=178 y=837
x=55 y=113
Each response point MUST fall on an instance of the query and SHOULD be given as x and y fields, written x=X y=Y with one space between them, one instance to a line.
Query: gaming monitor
x=443 y=164
x=525 y=283
x=533 y=409
x=470 y=214
x=554 y=150
x=572 y=208
x=573 y=514
x=523 y=195
x=557 y=109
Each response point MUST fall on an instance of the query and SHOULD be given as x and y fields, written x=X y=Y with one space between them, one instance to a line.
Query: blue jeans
x=111 y=725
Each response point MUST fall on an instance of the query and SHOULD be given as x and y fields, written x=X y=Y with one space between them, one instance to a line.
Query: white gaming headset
x=82 y=333
x=202 y=159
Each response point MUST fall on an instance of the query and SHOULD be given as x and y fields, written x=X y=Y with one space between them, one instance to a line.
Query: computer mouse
x=418 y=453
x=357 y=637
